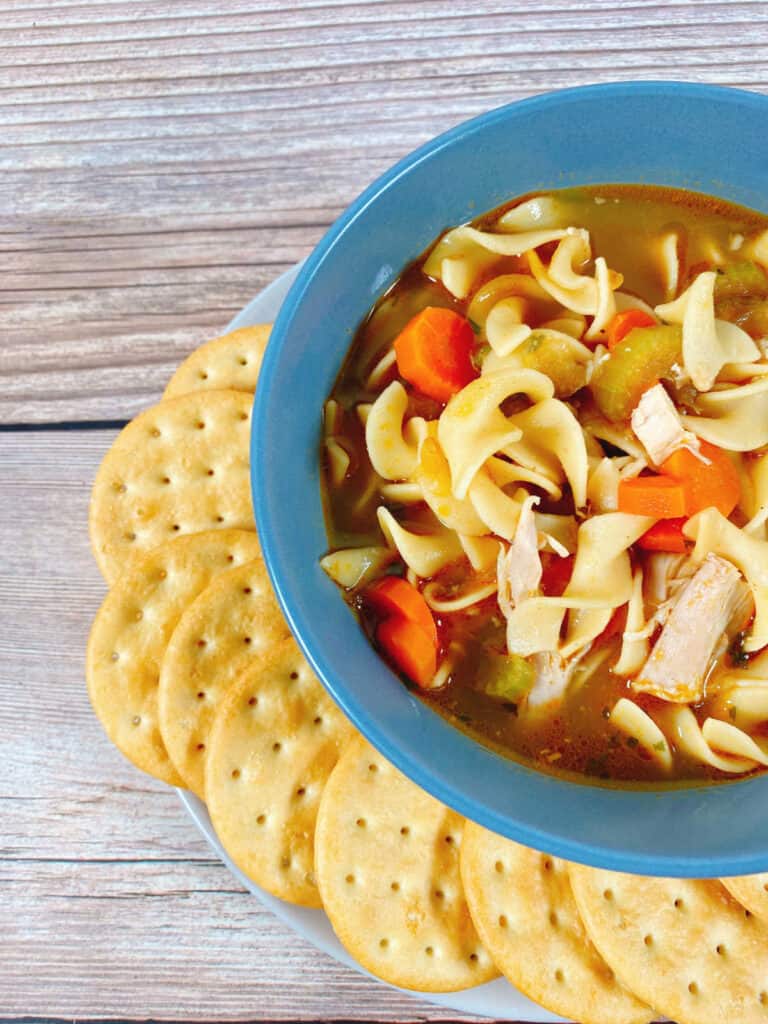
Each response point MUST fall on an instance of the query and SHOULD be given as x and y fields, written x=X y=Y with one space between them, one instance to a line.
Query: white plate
x=495 y=999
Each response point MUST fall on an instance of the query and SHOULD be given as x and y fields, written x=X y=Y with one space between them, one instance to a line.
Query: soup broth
x=657 y=448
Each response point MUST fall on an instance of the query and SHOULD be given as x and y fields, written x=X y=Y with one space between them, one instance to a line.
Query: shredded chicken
x=519 y=567
x=658 y=427
x=677 y=667
x=553 y=674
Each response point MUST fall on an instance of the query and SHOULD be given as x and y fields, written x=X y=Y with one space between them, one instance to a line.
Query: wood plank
x=112 y=904
x=161 y=167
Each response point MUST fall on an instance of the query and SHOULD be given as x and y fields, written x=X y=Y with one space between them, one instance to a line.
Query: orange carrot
x=666 y=535
x=659 y=496
x=556 y=574
x=712 y=483
x=409 y=648
x=434 y=353
x=394 y=596
x=624 y=322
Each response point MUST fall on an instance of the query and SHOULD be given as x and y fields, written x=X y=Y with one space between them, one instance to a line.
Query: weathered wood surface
x=111 y=904
x=160 y=163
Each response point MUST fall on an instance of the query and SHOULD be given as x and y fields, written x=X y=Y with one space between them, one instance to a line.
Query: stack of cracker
x=196 y=679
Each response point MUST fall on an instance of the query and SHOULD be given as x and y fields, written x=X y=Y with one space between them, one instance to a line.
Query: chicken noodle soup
x=546 y=482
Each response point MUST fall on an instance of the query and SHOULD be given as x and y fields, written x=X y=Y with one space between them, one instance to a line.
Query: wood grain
x=161 y=163
x=164 y=161
x=112 y=904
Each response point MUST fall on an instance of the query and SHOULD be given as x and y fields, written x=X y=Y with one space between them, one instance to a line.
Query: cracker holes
x=243 y=416
x=154 y=432
x=429 y=951
x=252 y=702
x=648 y=940
x=200 y=748
x=553 y=919
x=165 y=480
x=503 y=922
x=349 y=879
x=246 y=639
x=203 y=375
x=473 y=958
x=448 y=839
x=200 y=425
x=498 y=868
x=261 y=819
x=748 y=915
x=219 y=519
x=235 y=773
x=114 y=656
x=720 y=949
x=242 y=361
x=136 y=720
x=201 y=694
x=693 y=988
x=361 y=822
x=608 y=894
x=547 y=864
x=394 y=886
x=162 y=574
x=209 y=472
x=247 y=590
x=383 y=943
x=559 y=976
x=678 y=904
x=317 y=720
x=119 y=488
x=765 y=887
x=230 y=558
x=763 y=998
x=439 y=895
x=373 y=768
x=130 y=537
x=285 y=862
x=405 y=831
x=300 y=792
x=138 y=616
x=175 y=528
x=277 y=747
x=202 y=643
x=294 y=676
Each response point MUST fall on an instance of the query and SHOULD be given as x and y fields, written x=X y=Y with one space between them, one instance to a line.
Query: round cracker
x=525 y=913
x=132 y=628
x=387 y=858
x=751 y=891
x=234 y=622
x=686 y=946
x=276 y=738
x=231 y=361
x=180 y=467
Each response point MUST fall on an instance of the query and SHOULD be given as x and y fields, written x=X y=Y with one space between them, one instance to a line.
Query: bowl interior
x=697 y=137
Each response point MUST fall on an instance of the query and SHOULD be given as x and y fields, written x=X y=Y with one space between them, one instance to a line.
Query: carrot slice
x=409 y=648
x=714 y=483
x=666 y=535
x=556 y=574
x=624 y=322
x=394 y=596
x=659 y=496
x=434 y=353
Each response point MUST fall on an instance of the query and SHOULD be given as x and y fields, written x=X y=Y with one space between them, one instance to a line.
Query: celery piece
x=640 y=360
x=745 y=278
x=507 y=678
x=552 y=356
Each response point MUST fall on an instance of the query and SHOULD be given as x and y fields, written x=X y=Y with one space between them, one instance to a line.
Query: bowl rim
x=426 y=774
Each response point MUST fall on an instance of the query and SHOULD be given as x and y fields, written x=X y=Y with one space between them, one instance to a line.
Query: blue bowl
x=692 y=136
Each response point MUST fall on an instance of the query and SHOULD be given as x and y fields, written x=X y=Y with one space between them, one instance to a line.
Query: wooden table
x=161 y=163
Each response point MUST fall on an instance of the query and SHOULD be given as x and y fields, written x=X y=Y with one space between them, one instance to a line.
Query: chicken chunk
x=677 y=667
x=657 y=425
